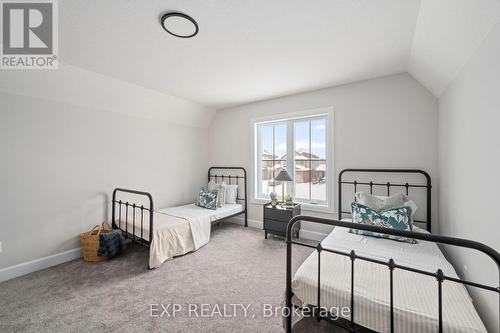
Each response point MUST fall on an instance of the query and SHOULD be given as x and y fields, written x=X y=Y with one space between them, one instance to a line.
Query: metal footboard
x=351 y=325
x=149 y=209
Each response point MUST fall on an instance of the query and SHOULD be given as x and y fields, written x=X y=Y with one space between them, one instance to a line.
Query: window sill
x=259 y=201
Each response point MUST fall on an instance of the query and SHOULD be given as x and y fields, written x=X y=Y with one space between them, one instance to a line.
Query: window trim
x=327 y=112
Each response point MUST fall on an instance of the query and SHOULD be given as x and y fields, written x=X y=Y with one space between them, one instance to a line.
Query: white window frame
x=327 y=112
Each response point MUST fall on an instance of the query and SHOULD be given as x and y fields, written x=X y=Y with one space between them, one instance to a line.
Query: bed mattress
x=172 y=235
x=415 y=295
x=215 y=215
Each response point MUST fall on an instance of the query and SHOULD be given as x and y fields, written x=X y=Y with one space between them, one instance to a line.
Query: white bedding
x=178 y=230
x=415 y=295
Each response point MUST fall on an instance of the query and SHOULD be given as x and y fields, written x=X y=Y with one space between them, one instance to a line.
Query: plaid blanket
x=111 y=243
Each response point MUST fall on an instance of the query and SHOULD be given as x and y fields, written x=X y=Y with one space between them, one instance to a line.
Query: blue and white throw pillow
x=395 y=218
x=208 y=199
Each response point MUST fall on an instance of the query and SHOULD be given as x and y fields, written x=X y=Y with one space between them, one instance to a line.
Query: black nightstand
x=276 y=219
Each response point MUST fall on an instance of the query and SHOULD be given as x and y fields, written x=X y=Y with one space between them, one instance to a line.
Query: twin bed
x=386 y=285
x=174 y=231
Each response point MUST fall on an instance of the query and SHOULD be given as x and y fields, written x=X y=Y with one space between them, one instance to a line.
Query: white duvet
x=178 y=230
x=415 y=295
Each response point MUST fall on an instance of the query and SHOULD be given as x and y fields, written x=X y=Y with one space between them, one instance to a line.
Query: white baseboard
x=38 y=264
x=59 y=258
x=251 y=223
x=306 y=234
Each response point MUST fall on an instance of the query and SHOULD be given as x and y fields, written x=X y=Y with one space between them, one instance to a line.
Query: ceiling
x=259 y=49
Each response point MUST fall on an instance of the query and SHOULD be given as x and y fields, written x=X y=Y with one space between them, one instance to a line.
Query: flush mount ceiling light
x=179 y=25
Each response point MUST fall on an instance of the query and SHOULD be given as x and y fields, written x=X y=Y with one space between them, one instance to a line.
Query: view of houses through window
x=273 y=138
x=305 y=140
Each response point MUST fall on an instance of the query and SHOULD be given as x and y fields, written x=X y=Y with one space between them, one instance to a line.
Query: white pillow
x=418 y=229
x=222 y=193
x=211 y=185
x=408 y=202
x=221 y=187
x=231 y=193
x=380 y=203
x=411 y=204
x=384 y=202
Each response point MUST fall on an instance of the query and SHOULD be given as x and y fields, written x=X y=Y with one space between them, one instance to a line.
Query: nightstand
x=276 y=219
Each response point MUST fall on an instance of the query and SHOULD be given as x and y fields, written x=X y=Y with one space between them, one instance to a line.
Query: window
x=310 y=160
x=299 y=145
x=273 y=138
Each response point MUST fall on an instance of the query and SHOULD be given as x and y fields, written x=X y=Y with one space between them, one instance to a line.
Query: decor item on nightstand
x=283 y=177
x=289 y=199
x=276 y=219
x=274 y=198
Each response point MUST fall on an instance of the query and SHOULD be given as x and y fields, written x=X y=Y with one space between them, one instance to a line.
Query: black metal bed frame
x=240 y=177
x=236 y=178
x=388 y=185
x=349 y=324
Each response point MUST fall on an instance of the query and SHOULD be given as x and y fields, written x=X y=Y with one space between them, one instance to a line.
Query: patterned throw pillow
x=394 y=218
x=208 y=199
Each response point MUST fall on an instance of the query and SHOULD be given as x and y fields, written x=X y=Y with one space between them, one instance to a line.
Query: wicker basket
x=90 y=242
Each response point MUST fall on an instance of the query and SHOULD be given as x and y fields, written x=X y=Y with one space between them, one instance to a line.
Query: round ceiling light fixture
x=179 y=25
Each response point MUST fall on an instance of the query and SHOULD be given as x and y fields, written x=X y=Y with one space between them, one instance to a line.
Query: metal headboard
x=372 y=183
x=235 y=176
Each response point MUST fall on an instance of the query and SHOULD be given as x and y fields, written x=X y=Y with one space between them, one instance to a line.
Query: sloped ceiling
x=77 y=86
x=259 y=49
x=447 y=34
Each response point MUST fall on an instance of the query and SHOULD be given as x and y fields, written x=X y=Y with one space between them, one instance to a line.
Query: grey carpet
x=238 y=266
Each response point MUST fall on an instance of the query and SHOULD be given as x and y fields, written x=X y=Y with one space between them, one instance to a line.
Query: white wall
x=385 y=122
x=81 y=87
x=62 y=155
x=469 y=161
